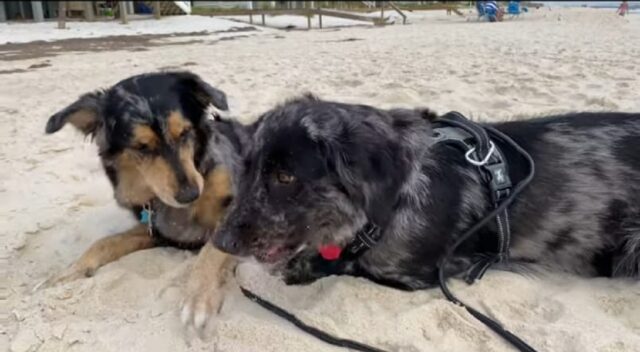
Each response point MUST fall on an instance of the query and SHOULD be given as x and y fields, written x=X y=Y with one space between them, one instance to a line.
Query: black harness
x=480 y=147
x=480 y=151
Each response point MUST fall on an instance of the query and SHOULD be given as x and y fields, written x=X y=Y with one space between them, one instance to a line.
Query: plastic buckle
x=500 y=179
x=367 y=237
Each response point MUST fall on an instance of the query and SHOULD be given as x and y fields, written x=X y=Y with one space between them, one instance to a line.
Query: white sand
x=55 y=199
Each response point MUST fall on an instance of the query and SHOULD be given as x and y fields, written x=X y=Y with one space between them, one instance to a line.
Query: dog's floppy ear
x=84 y=114
x=368 y=165
x=203 y=93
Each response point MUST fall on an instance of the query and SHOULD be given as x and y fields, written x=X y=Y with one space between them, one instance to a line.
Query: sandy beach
x=55 y=199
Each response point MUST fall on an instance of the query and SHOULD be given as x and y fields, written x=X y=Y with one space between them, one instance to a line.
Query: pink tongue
x=273 y=251
x=330 y=252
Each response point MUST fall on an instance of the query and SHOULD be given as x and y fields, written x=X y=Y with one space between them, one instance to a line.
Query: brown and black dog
x=170 y=164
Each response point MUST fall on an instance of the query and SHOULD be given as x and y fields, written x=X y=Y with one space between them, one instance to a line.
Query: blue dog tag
x=144 y=216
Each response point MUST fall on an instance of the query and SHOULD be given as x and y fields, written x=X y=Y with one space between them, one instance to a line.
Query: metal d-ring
x=467 y=155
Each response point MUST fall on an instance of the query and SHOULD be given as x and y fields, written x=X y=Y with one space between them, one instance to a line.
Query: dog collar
x=367 y=237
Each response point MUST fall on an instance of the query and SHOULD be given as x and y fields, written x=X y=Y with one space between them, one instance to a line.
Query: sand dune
x=55 y=200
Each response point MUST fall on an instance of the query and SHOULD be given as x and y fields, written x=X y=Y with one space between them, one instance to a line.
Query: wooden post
x=89 y=15
x=36 y=9
x=320 y=19
x=156 y=10
x=3 y=14
x=122 y=7
x=62 y=14
x=263 y=19
x=250 y=18
x=309 y=20
x=399 y=11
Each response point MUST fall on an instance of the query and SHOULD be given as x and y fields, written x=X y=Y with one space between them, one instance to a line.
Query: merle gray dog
x=318 y=171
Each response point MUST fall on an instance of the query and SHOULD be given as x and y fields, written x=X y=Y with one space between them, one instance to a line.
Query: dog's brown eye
x=185 y=135
x=284 y=177
x=142 y=148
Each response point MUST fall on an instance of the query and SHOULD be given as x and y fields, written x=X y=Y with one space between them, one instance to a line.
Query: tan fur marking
x=207 y=268
x=159 y=176
x=141 y=179
x=84 y=120
x=176 y=123
x=144 y=135
x=105 y=251
x=131 y=188
x=210 y=207
x=189 y=167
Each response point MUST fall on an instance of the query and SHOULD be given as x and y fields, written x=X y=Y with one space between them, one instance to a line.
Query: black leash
x=315 y=332
x=517 y=342
x=494 y=165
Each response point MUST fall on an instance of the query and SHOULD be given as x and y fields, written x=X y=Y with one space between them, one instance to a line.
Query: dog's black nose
x=187 y=194
x=227 y=242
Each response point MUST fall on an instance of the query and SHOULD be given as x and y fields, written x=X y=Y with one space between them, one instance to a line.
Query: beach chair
x=513 y=9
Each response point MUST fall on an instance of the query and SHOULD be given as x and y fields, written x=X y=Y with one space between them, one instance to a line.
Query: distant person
x=623 y=9
x=480 y=8
x=493 y=11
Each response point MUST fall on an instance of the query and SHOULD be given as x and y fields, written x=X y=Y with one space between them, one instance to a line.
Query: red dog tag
x=330 y=252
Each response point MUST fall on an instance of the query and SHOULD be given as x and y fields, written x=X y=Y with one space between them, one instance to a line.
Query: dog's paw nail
x=200 y=318
x=199 y=309
x=41 y=285
x=185 y=314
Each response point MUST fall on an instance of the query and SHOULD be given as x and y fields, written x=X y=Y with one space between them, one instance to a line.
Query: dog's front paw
x=205 y=292
x=200 y=305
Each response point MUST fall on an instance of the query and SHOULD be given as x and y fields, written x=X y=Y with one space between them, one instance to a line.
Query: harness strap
x=455 y=129
x=477 y=132
x=500 y=185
